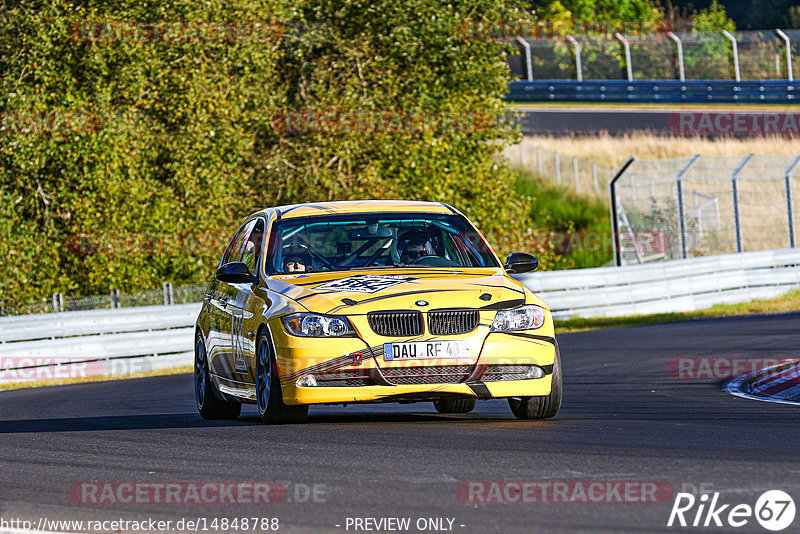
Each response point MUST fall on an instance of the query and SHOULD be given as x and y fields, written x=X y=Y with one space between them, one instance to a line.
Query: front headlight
x=522 y=318
x=315 y=325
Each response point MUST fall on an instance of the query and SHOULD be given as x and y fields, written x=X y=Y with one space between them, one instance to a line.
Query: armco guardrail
x=656 y=91
x=97 y=342
x=669 y=286
x=125 y=340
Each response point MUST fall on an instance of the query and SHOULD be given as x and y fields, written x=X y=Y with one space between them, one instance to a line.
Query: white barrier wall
x=129 y=340
x=669 y=286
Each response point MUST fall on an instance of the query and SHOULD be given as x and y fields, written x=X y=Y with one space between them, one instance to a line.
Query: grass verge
x=569 y=220
x=104 y=378
x=784 y=303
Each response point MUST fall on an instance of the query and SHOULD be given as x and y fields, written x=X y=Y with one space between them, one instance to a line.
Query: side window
x=252 y=246
x=234 y=250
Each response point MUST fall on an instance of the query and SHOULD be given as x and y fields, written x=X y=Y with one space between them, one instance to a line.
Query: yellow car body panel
x=356 y=369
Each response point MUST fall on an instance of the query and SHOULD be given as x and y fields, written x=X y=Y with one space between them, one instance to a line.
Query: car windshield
x=358 y=241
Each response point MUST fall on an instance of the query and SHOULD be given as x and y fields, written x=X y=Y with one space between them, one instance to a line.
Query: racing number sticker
x=364 y=283
x=237 y=334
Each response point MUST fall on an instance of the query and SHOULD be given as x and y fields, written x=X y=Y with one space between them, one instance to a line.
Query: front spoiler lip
x=416 y=393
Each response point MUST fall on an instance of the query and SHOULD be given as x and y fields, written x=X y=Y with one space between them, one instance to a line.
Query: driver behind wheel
x=415 y=248
x=296 y=260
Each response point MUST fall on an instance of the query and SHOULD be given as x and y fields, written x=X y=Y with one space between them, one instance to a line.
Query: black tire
x=269 y=398
x=462 y=405
x=209 y=406
x=542 y=407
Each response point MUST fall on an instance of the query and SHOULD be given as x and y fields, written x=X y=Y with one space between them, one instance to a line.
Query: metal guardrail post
x=679 y=43
x=728 y=34
x=577 y=47
x=613 y=201
x=681 y=209
x=789 y=200
x=735 y=190
x=627 y=46
x=114 y=298
x=528 y=61
x=788 y=43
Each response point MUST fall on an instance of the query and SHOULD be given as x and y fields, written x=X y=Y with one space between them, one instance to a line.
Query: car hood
x=360 y=292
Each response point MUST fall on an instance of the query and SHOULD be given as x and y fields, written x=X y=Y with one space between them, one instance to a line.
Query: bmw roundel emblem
x=421 y=303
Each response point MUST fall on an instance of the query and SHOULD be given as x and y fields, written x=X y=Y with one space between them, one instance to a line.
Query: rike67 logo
x=774 y=510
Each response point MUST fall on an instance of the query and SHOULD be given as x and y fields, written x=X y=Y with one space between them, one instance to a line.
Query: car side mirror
x=520 y=262
x=235 y=272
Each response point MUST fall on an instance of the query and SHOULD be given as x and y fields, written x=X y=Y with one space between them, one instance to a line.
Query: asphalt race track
x=624 y=418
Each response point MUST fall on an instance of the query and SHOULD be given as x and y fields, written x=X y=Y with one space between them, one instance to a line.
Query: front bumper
x=330 y=360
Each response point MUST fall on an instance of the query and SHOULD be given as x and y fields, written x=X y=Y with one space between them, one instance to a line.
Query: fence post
x=577 y=47
x=114 y=298
x=58 y=302
x=558 y=169
x=168 y=294
x=627 y=46
x=735 y=190
x=594 y=177
x=789 y=201
x=788 y=44
x=539 y=162
x=613 y=202
x=522 y=153
x=575 y=174
x=735 y=47
x=681 y=208
x=679 y=43
x=528 y=62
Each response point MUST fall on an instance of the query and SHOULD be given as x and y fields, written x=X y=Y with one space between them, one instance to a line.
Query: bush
x=124 y=143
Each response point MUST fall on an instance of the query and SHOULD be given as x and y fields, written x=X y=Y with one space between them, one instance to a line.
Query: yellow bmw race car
x=371 y=301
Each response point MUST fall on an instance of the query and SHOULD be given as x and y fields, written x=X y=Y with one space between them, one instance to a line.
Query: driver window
x=252 y=246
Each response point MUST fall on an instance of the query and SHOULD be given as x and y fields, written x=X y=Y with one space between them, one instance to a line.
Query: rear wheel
x=209 y=406
x=463 y=405
x=269 y=398
x=542 y=407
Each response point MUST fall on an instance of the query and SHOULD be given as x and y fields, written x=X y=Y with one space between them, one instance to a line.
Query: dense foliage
x=128 y=153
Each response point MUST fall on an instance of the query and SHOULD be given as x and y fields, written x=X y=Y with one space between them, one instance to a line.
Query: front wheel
x=542 y=407
x=209 y=406
x=269 y=398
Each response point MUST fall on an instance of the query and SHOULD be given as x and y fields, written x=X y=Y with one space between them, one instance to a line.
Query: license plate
x=425 y=350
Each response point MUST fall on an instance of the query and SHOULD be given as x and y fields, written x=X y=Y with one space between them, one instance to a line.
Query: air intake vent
x=396 y=324
x=452 y=322
x=439 y=374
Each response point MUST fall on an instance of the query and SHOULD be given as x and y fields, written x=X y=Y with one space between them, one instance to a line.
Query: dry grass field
x=613 y=151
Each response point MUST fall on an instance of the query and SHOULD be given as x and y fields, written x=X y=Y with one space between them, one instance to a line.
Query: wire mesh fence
x=114 y=299
x=705 y=205
x=579 y=175
x=755 y=55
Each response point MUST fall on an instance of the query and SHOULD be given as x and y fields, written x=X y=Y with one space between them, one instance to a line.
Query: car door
x=245 y=304
x=221 y=301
